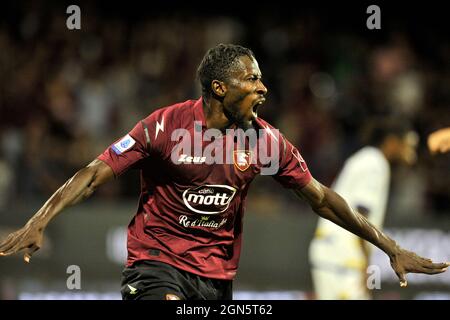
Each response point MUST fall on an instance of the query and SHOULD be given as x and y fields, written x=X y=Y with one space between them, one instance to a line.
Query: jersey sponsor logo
x=298 y=156
x=123 y=145
x=203 y=221
x=209 y=199
x=242 y=159
x=184 y=158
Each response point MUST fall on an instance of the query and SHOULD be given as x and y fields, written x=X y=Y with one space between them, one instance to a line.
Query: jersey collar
x=198 y=112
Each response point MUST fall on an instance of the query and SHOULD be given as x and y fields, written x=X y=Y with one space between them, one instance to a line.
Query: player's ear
x=218 y=88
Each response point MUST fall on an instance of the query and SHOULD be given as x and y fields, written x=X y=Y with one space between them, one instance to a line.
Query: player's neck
x=214 y=115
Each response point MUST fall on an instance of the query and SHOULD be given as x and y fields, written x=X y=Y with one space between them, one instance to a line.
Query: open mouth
x=256 y=106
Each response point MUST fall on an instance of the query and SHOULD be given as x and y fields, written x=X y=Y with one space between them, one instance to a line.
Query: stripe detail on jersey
x=147 y=136
x=284 y=144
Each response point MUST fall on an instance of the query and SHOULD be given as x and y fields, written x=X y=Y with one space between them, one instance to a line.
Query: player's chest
x=222 y=160
x=196 y=169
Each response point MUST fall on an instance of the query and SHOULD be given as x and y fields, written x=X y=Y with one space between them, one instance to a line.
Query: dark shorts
x=154 y=280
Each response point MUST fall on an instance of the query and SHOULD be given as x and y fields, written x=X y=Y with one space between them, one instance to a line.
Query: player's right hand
x=28 y=238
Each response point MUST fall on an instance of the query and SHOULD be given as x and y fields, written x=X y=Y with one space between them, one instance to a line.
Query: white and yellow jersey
x=363 y=181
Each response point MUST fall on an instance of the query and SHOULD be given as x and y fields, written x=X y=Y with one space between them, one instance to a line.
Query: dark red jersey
x=191 y=205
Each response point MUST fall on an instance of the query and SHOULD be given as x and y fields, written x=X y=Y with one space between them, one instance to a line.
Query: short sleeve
x=128 y=150
x=293 y=172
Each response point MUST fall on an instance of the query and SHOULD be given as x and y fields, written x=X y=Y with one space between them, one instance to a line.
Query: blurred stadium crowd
x=66 y=95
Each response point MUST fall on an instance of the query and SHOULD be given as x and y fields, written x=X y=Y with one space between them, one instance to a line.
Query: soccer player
x=338 y=258
x=439 y=141
x=185 y=240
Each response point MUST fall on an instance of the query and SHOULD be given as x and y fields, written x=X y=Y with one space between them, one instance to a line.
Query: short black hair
x=377 y=129
x=217 y=63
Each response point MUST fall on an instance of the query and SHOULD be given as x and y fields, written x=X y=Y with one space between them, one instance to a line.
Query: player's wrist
x=37 y=223
x=390 y=247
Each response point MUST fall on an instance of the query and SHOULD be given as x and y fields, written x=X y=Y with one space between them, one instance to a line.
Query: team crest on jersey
x=123 y=145
x=242 y=159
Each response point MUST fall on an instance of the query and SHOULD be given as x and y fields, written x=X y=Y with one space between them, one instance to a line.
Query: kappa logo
x=242 y=159
x=133 y=290
x=184 y=158
x=159 y=127
x=209 y=199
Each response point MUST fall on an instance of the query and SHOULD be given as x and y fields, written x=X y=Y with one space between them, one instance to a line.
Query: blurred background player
x=439 y=141
x=339 y=259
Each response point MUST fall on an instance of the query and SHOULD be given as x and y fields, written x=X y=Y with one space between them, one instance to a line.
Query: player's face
x=245 y=93
x=407 y=149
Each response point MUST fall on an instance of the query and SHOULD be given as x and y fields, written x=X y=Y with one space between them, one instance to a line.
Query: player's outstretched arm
x=439 y=141
x=79 y=187
x=329 y=205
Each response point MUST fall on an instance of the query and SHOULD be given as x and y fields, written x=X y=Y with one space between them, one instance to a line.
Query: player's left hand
x=29 y=239
x=404 y=261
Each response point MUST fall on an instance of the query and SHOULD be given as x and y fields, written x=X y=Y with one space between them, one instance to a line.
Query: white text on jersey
x=184 y=158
